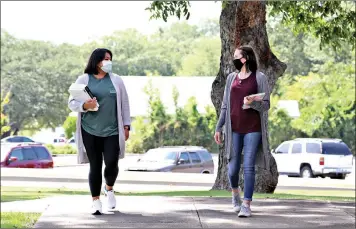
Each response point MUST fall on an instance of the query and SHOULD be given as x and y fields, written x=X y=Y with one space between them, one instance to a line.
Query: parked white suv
x=312 y=157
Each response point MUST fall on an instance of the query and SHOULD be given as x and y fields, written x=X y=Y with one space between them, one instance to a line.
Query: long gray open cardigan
x=123 y=115
x=261 y=106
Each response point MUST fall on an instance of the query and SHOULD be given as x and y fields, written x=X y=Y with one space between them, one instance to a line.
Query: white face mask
x=107 y=66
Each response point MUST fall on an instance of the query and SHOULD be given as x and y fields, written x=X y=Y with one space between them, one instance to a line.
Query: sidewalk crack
x=196 y=210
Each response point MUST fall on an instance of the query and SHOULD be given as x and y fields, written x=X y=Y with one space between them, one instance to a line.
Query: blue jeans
x=249 y=144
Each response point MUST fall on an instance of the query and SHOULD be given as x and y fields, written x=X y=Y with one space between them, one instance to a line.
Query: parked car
x=59 y=141
x=183 y=159
x=25 y=155
x=71 y=142
x=16 y=139
x=313 y=157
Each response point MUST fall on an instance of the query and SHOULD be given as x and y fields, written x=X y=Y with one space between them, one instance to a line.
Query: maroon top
x=248 y=120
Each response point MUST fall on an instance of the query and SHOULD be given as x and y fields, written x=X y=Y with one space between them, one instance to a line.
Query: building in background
x=198 y=87
x=290 y=106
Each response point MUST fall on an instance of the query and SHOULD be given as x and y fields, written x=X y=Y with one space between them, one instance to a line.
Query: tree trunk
x=244 y=23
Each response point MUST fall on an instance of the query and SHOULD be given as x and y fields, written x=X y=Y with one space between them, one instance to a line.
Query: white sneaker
x=111 y=199
x=97 y=208
x=245 y=211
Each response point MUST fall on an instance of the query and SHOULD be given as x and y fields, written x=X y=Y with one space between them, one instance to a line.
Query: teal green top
x=103 y=122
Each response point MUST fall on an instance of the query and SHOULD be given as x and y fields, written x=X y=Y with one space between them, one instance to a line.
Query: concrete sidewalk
x=187 y=212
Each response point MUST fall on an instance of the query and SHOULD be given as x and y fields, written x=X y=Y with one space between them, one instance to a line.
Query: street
x=68 y=174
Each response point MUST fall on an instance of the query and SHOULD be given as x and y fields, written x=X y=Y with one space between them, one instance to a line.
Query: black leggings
x=96 y=147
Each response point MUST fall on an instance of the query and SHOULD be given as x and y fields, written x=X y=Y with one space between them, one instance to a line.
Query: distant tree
x=327 y=103
x=5 y=128
x=203 y=59
x=69 y=126
x=38 y=75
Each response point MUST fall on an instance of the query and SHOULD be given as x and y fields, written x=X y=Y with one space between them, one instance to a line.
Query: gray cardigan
x=261 y=106
x=123 y=115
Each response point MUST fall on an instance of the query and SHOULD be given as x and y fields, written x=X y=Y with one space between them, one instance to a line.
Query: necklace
x=99 y=77
x=243 y=78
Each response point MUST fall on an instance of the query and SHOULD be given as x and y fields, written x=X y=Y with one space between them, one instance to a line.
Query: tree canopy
x=333 y=22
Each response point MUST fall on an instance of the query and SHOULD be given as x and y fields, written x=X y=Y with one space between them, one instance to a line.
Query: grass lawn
x=30 y=193
x=25 y=219
x=18 y=219
x=288 y=194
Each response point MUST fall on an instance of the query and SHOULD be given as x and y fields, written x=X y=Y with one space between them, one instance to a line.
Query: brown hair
x=248 y=53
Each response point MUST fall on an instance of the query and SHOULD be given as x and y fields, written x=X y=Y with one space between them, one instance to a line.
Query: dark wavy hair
x=95 y=58
x=251 y=61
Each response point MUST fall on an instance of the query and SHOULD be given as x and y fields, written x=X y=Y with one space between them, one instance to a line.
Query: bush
x=136 y=142
x=65 y=149
x=69 y=126
x=280 y=128
x=185 y=127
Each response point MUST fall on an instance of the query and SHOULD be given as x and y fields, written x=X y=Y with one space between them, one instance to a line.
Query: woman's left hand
x=248 y=100
x=127 y=134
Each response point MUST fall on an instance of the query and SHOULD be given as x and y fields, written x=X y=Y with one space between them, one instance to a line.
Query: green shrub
x=65 y=149
x=159 y=128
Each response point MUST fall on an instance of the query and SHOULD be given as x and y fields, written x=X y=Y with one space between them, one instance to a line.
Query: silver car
x=180 y=159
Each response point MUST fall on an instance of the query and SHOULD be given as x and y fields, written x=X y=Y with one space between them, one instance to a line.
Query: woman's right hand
x=90 y=104
x=217 y=137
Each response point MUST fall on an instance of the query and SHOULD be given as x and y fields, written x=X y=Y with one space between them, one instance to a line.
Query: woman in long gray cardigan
x=242 y=114
x=101 y=134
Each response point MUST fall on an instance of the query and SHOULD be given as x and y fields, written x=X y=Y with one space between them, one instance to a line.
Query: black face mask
x=238 y=64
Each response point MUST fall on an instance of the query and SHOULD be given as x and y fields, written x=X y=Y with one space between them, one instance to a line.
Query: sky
x=77 y=22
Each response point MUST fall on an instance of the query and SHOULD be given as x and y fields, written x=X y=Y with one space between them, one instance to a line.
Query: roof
x=181 y=147
x=291 y=107
x=319 y=139
x=19 y=144
x=199 y=87
x=178 y=148
x=14 y=136
x=187 y=86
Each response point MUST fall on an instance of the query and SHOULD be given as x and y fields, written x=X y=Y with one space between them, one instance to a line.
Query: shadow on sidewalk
x=170 y=212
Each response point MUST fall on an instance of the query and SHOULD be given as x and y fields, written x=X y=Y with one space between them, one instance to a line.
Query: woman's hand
x=217 y=137
x=248 y=100
x=127 y=133
x=90 y=104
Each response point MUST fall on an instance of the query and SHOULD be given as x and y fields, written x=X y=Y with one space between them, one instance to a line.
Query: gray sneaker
x=245 y=211
x=236 y=201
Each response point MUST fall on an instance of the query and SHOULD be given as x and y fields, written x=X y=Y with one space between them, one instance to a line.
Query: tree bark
x=244 y=23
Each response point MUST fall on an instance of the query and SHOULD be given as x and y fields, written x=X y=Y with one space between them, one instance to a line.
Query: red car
x=25 y=155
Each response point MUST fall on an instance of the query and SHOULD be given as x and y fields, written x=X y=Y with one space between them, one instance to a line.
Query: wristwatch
x=127 y=127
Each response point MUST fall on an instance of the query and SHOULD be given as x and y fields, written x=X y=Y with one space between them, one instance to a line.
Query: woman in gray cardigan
x=243 y=118
x=101 y=134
